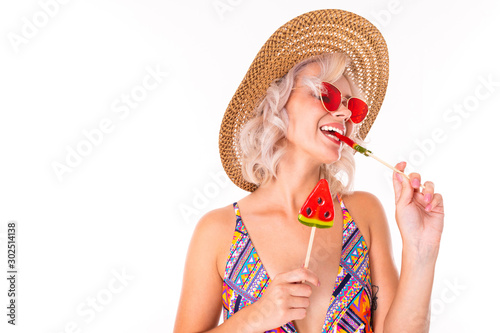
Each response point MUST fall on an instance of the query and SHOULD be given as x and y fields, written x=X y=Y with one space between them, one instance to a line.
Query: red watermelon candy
x=318 y=210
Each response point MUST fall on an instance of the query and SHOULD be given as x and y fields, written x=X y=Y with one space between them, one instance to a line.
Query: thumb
x=402 y=188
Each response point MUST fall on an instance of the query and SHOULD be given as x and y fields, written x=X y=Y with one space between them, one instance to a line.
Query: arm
x=420 y=218
x=200 y=302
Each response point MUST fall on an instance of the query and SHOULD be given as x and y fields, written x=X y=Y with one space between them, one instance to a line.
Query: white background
x=130 y=205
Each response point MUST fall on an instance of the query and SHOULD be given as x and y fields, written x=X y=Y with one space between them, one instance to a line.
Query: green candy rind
x=314 y=223
x=362 y=150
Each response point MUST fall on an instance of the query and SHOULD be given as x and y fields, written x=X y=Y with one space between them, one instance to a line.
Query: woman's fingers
x=397 y=179
x=299 y=275
x=405 y=189
x=401 y=166
x=288 y=296
x=428 y=193
x=299 y=302
x=300 y=289
x=402 y=188
x=415 y=180
x=298 y=313
x=436 y=203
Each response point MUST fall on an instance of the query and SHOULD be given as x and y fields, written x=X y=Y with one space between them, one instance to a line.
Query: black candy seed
x=327 y=214
x=308 y=211
x=320 y=200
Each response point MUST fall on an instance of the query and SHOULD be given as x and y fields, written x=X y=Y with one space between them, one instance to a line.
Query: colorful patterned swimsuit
x=246 y=279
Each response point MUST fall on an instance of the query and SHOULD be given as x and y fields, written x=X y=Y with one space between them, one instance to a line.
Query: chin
x=332 y=157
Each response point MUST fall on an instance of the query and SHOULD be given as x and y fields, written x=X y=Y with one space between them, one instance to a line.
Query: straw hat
x=307 y=35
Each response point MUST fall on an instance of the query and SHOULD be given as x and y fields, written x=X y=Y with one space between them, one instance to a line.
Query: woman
x=277 y=142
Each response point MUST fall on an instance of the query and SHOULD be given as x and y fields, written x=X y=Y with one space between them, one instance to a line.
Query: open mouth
x=328 y=132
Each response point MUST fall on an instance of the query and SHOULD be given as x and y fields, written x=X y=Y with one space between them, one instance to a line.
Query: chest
x=270 y=248
x=285 y=251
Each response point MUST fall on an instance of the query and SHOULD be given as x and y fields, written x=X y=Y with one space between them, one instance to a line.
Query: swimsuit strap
x=341 y=202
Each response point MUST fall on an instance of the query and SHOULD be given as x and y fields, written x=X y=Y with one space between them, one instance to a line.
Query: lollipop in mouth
x=352 y=144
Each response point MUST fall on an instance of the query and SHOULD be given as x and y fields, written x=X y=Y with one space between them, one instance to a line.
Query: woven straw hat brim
x=310 y=34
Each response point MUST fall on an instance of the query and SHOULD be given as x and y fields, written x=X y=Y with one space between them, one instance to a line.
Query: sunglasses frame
x=347 y=103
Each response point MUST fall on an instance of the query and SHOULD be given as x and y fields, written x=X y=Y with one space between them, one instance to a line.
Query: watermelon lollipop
x=317 y=212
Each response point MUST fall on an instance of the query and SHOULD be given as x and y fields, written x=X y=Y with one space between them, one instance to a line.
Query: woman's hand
x=419 y=214
x=285 y=299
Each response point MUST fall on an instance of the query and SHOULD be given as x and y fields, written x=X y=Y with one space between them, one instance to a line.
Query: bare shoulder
x=362 y=198
x=367 y=211
x=217 y=220
x=215 y=231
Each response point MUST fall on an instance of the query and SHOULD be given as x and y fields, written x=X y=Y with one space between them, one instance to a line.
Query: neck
x=295 y=180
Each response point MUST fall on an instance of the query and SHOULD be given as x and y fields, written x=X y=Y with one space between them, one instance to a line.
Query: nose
x=343 y=113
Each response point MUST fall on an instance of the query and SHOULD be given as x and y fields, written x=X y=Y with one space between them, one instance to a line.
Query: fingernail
x=428 y=208
x=318 y=283
x=415 y=182
x=428 y=197
x=398 y=177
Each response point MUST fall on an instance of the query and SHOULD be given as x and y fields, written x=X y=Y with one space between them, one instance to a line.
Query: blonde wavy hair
x=263 y=138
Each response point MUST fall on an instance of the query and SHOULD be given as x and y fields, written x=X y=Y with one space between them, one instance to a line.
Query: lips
x=328 y=130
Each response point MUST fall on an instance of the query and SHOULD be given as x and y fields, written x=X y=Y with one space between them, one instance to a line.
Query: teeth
x=332 y=136
x=331 y=129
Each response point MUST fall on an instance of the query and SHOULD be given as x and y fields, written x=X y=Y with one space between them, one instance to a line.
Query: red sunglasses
x=332 y=98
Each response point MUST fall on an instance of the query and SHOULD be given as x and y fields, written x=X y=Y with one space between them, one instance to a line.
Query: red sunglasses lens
x=332 y=98
x=358 y=108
